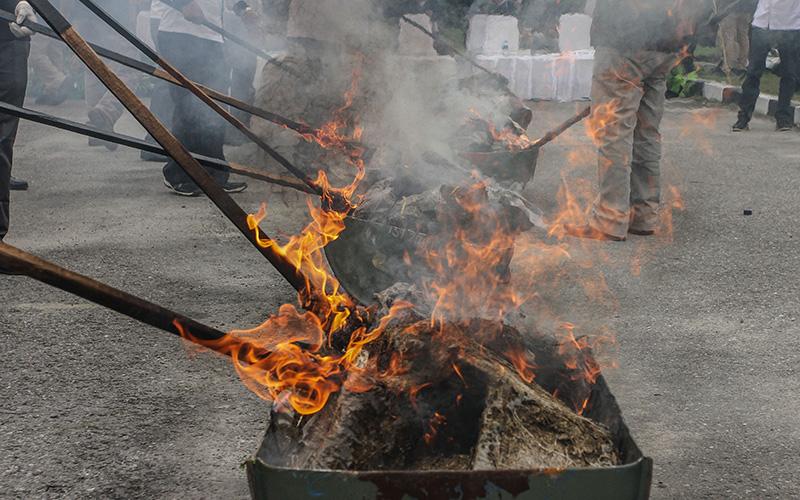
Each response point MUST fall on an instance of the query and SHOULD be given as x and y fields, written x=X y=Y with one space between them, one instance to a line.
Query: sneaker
x=17 y=184
x=784 y=127
x=740 y=126
x=183 y=189
x=234 y=187
x=100 y=120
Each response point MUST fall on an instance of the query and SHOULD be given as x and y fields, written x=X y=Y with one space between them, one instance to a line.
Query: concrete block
x=413 y=42
x=797 y=115
x=488 y=34
x=762 y=104
x=714 y=91
x=573 y=32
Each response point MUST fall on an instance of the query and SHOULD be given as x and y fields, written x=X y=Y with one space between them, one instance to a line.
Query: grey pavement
x=96 y=405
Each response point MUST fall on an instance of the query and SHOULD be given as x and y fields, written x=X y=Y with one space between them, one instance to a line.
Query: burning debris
x=440 y=397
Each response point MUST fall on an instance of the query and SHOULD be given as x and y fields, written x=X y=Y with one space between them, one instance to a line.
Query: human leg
x=616 y=94
x=760 y=46
x=13 y=83
x=789 y=49
x=646 y=165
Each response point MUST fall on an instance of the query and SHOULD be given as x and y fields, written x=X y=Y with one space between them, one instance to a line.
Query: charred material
x=442 y=398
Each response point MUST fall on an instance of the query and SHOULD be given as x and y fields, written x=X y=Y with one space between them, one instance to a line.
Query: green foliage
x=682 y=83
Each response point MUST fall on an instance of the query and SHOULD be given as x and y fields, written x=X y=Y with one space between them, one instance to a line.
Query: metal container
x=629 y=481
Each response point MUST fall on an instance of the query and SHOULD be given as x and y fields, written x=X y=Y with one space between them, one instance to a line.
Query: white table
x=556 y=77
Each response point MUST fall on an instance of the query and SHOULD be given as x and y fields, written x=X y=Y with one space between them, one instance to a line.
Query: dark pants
x=196 y=125
x=13 y=82
x=243 y=74
x=761 y=41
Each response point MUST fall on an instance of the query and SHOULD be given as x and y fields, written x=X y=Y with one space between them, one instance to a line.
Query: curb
x=729 y=94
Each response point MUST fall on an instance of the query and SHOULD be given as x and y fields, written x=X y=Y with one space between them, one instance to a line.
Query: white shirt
x=777 y=15
x=172 y=21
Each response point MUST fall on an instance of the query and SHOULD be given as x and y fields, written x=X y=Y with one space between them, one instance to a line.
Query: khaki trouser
x=631 y=87
x=47 y=62
x=733 y=38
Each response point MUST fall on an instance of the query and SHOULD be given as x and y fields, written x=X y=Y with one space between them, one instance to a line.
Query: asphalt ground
x=704 y=316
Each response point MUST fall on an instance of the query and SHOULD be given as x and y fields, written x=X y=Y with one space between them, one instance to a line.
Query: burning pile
x=431 y=376
x=440 y=397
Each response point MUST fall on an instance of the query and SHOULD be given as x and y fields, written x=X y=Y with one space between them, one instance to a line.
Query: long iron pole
x=23 y=263
x=133 y=142
x=194 y=89
x=171 y=145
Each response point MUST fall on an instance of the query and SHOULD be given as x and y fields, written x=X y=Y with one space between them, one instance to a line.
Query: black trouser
x=761 y=42
x=13 y=82
x=243 y=67
x=196 y=125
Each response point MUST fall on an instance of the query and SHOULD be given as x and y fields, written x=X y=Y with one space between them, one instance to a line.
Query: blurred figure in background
x=495 y=7
x=51 y=69
x=243 y=65
x=733 y=37
x=776 y=25
x=15 y=45
x=103 y=109
x=160 y=100
x=198 y=52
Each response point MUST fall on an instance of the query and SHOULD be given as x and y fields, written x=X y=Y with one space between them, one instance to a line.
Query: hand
x=24 y=12
x=193 y=13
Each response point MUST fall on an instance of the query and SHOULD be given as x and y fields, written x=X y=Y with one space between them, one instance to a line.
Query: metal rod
x=133 y=142
x=239 y=41
x=154 y=71
x=194 y=89
x=553 y=134
x=19 y=262
x=171 y=145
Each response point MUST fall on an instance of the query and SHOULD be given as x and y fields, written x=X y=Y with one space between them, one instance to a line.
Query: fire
x=513 y=140
x=299 y=359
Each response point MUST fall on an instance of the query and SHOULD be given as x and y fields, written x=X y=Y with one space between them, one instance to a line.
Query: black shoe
x=587 y=231
x=784 y=127
x=18 y=185
x=642 y=232
x=740 y=126
x=234 y=187
x=183 y=189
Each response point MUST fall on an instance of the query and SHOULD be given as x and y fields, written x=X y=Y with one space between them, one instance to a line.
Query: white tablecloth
x=556 y=77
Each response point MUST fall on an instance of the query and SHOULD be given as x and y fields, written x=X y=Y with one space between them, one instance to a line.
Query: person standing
x=15 y=46
x=776 y=25
x=198 y=52
x=733 y=37
x=103 y=109
x=637 y=44
x=160 y=101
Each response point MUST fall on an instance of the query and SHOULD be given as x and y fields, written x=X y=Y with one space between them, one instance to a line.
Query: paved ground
x=96 y=405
